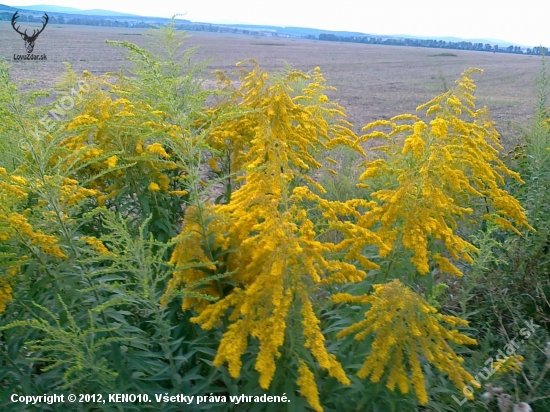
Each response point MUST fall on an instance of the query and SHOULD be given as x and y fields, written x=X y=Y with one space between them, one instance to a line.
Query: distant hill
x=291 y=31
x=73 y=13
x=72 y=10
x=3 y=7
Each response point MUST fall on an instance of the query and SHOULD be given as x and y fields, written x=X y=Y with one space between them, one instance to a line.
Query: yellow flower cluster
x=509 y=363
x=157 y=149
x=436 y=169
x=273 y=256
x=153 y=187
x=5 y=295
x=71 y=193
x=295 y=127
x=13 y=189
x=258 y=257
x=98 y=246
x=82 y=120
x=308 y=387
x=406 y=328
x=5 y=282
x=44 y=242
x=112 y=132
x=189 y=249
x=111 y=161
x=269 y=270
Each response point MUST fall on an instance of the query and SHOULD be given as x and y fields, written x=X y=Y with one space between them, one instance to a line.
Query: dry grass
x=373 y=81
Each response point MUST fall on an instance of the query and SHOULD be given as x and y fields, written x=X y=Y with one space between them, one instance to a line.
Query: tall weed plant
x=161 y=238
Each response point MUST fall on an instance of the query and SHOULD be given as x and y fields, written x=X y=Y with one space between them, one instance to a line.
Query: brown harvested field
x=373 y=81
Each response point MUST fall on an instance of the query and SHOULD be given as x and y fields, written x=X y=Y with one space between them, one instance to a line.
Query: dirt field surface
x=373 y=81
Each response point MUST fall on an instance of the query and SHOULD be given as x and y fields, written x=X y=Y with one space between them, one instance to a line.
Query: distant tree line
x=110 y=22
x=440 y=44
x=80 y=20
x=189 y=26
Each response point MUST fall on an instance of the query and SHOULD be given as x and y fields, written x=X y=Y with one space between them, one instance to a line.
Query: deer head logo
x=29 y=40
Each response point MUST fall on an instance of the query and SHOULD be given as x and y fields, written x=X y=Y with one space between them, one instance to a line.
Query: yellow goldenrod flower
x=125 y=113
x=13 y=190
x=19 y=180
x=111 y=161
x=82 y=120
x=122 y=101
x=45 y=242
x=79 y=194
x=213 y=164
x=93 y=152
x=153 y=187
x=157 y=149
x=102 y=198
x=315 y=341
x=178 y=192
x=163 y=181
x=509 y=363
x=98 y=246
x=5 y=295
x=55 y=251
x=405 y=325
x=433 y=109
x=308 y=387
x=435 y=170
x=276 y=249
x=439 y=127
x=446 y=266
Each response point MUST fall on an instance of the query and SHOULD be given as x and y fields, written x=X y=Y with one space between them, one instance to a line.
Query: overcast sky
x=523 y=22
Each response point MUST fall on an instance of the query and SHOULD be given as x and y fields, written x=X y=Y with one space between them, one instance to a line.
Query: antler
x=15 y=16
x=46 y=19
x=34 y=33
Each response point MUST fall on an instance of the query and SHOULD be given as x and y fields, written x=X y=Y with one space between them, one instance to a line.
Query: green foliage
x=92 y=204
x=508 y=284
